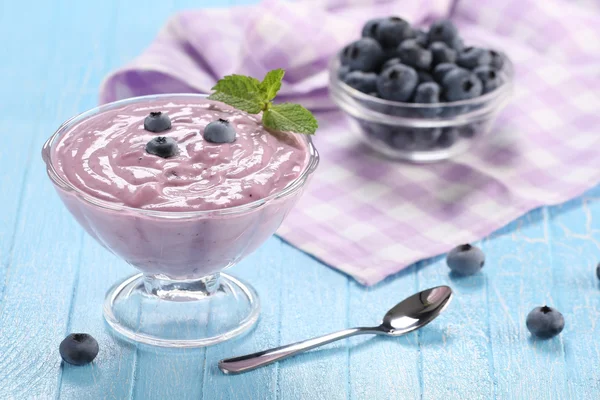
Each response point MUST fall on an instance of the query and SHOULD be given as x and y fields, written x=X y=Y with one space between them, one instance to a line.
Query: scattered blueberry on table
x=157 y=121
x=161 y=146
x=465 y=259
x=79 y=349
x=545 y=322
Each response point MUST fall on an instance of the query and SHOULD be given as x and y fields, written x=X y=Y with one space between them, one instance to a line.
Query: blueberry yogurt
x=163 y=178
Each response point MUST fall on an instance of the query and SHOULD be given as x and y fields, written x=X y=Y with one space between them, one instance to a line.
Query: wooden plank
x=43 y=270
x=381 y=367
x=39 y=286
x=313 y=302
x=263 y=270
x=455 y=349
x=519 y=271
x=575 y=249
x=110 y=376
x=20 y=105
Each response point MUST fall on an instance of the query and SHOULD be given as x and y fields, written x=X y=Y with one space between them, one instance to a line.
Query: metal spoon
x=410 y=314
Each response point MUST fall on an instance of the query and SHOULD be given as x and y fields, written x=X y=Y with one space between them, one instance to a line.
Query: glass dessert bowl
x=420 y=132
x=181 y=298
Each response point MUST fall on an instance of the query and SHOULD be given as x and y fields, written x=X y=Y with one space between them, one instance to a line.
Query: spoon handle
x=251 y=361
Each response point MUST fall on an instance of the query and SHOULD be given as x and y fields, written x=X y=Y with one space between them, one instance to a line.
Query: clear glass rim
x=64 y=184
x=356 y=94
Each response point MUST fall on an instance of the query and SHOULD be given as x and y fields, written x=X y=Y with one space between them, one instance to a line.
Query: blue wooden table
x=53 y=277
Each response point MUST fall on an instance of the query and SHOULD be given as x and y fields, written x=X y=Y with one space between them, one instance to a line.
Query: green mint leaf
x=271 y=84
x=248 y=94
x=241 y=92
x=289 y=117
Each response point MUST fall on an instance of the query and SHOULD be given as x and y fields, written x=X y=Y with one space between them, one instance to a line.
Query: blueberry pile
x=397 y=62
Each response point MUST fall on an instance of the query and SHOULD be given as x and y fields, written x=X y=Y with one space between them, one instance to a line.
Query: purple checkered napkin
x=371 y=218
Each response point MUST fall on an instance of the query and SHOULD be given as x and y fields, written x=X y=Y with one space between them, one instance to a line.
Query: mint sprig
x=252 y=96
x=241 y=92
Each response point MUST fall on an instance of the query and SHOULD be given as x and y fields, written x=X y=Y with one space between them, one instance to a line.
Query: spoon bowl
x=416 y=311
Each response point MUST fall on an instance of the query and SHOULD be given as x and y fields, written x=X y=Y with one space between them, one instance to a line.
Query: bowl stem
x=181 y=290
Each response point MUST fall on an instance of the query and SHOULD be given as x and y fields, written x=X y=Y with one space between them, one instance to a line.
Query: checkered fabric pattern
x=371 y=218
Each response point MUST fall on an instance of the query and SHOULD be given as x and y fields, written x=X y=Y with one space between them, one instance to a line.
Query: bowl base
x=191 y=313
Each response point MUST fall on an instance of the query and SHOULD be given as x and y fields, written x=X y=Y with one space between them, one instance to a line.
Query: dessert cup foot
x=155 y=310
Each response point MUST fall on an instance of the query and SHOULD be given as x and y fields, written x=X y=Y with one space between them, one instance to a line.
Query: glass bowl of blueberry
x=419 y=95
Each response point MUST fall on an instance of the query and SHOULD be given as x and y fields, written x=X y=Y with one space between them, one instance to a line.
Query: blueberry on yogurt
x=157 y=121
x=162 y=146
x=219 y=131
